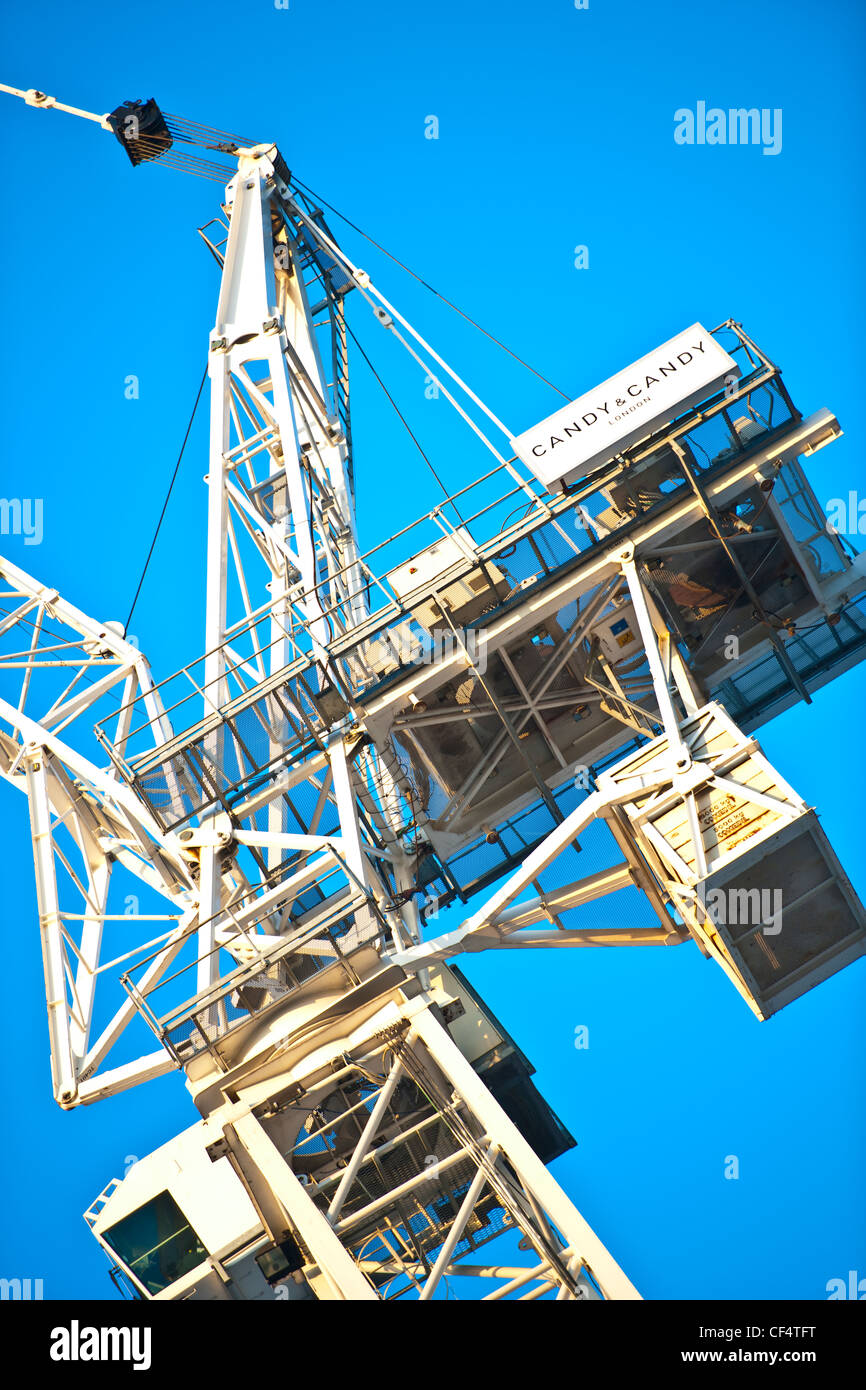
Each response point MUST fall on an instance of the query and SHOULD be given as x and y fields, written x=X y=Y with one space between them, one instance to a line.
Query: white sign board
x=625 y=408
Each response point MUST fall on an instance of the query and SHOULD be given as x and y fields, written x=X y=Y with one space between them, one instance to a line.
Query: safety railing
x=530 y=536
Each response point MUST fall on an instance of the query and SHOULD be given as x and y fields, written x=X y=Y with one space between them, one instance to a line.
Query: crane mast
x=361 y=747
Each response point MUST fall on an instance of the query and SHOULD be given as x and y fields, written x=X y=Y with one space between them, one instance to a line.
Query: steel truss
x=425 y=1168
x=280 y=839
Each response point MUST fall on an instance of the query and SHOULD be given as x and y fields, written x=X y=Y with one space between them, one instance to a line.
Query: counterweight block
x=743 y=859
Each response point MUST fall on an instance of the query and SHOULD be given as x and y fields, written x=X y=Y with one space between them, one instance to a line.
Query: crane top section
x=368 y=728
x=34 y=97
x=149 y=134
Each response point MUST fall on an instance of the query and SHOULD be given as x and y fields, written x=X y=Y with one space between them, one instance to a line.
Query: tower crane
x=514 y=719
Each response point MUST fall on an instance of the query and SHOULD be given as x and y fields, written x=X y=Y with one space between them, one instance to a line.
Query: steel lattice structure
x=254 y=875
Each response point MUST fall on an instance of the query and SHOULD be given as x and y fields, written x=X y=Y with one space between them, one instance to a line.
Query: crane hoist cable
x=300 y=184
x=404 y=422
x=167 y=499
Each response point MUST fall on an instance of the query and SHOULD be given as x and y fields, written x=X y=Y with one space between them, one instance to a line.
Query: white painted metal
x=312 y=1007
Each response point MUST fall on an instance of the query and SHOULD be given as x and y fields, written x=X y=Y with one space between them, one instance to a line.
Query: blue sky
x=555 y=130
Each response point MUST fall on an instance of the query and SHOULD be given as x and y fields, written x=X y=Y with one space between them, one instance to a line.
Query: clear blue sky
x=556 y=130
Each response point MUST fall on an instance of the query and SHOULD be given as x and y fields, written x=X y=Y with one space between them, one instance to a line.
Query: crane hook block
x=141 y=129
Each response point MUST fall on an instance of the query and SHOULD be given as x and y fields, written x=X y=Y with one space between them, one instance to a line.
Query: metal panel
x=816 y=924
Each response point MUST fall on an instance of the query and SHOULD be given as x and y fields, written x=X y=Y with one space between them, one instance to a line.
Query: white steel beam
x=50 y=931
x=526 y=1163
x=334 y=1261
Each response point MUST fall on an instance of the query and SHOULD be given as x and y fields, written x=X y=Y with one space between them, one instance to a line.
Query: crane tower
x=538 y=700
